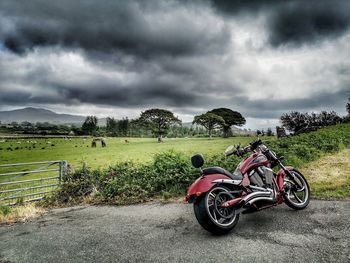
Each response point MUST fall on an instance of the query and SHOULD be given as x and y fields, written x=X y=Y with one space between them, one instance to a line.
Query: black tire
x=306 y=200
x=206 y=221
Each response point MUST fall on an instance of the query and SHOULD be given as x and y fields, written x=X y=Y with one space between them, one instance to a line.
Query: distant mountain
x=38 y=115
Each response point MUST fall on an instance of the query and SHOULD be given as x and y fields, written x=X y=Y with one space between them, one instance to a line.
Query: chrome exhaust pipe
x=270 y=199
x=266 y=195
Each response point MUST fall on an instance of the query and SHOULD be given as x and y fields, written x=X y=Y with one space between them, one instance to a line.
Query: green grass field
x=78 y=150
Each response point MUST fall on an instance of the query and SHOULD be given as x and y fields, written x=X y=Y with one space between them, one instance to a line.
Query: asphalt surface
x=170 y=233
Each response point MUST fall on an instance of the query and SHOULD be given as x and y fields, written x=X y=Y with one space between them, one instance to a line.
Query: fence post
x=63 y=169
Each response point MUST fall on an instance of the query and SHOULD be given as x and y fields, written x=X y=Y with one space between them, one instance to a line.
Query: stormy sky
x=116 y=58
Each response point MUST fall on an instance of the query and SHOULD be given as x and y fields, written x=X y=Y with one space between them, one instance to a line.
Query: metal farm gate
x=27 y=182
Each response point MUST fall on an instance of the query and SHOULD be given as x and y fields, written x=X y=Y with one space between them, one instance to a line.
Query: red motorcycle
x=219 y=197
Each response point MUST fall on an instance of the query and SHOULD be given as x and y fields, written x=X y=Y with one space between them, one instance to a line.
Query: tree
x=111 y=126
x=230 y=118
x=328 y=118
x=26 y=124
x=346 y=118
x=210 y=121
x=294 y=121
x=123 y=127
x=90 y=125
x=303 y=122
x=158 y=120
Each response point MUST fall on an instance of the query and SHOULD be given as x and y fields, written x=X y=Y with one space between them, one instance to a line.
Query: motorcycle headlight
x=263 y=148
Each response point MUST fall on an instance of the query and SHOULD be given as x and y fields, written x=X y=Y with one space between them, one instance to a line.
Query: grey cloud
x=307 y=22
x=235 y=7
x=159 y=94
x=146 y=89
x=170 y=56
x=275 y=108
x=133 y=27
x=294 y=22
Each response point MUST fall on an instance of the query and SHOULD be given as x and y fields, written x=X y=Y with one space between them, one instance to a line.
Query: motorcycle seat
x=219 y=170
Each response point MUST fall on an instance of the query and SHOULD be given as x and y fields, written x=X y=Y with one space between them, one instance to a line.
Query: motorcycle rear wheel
x=209 y=218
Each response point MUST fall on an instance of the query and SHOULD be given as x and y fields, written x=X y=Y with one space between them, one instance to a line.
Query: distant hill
x=33 y=115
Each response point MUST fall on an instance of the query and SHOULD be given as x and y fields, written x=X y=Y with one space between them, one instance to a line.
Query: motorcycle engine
x=262 y=177
x=255 y=179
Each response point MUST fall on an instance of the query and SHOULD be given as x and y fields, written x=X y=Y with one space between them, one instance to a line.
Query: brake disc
x=224 y=212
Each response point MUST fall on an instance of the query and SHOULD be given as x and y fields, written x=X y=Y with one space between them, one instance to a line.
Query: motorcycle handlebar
x=251 y=147
x=240 y=152
x=255 y=144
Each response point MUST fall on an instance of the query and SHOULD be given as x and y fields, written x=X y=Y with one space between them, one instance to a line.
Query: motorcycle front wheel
x=296 y=197
x=211 y=216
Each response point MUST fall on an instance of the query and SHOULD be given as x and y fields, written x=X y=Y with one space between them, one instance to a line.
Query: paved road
x=170 y=233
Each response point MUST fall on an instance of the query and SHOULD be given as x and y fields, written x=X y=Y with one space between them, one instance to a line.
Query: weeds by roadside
x=19 y=213
x=329 y=177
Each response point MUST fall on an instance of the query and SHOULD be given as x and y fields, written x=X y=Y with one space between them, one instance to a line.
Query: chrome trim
x=267 y=168
x=268 y=195
x=259 y=199
x=258 y=188
x=227 y=181
x=256 y=194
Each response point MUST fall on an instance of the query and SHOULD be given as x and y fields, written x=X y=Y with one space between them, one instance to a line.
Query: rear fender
x=203 y=184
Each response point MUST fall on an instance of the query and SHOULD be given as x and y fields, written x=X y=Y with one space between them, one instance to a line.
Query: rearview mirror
x=229 y=150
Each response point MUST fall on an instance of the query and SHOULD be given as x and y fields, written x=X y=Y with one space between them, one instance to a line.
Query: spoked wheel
x=297 y=197
x=211 y=216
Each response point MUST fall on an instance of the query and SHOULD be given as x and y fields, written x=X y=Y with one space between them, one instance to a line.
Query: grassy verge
x=20 y=213
x=329 y=177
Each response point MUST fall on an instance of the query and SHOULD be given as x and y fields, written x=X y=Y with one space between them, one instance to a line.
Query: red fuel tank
x=253 y=161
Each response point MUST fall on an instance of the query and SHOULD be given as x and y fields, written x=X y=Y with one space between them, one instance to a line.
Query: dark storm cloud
x=243 y=6
x=303 y=22
x=294 y=22
x=146 y=37
x=130 y=96
x=144 y=91
x=134 y=27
